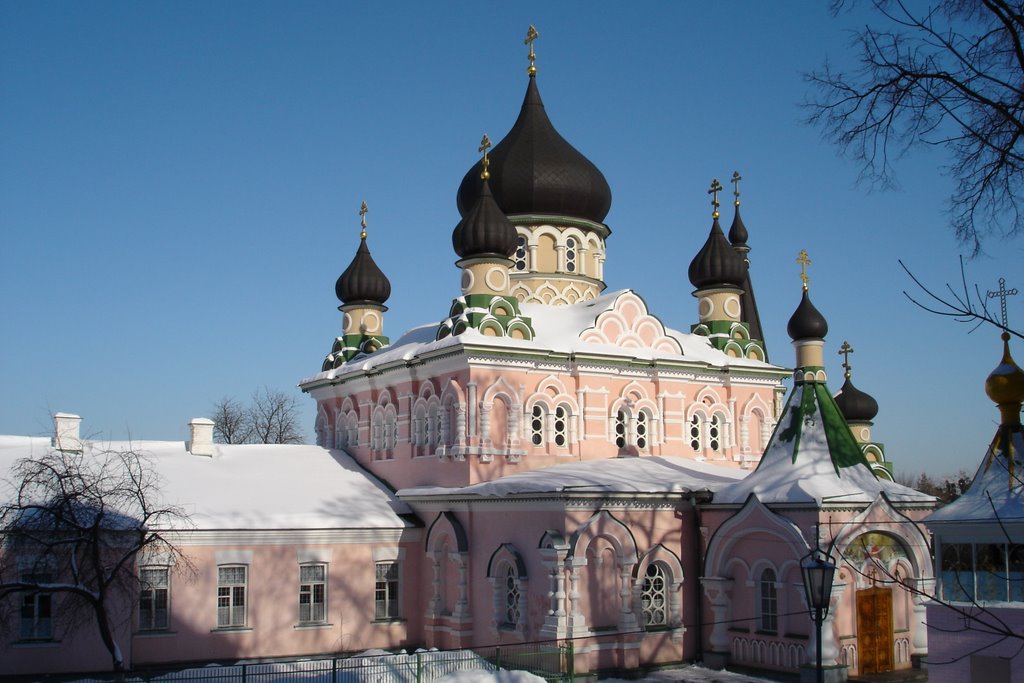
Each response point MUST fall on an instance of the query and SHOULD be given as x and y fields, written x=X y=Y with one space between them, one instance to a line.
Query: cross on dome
x=845 y=350
x=362 y=220
x=485 y=144
x=1002 y=293
x=804 y=261
x=736 y=178
x=716 y=187
x=531 y=35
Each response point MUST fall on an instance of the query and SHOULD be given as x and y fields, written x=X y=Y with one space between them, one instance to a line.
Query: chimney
x=201 y=431
x=66 y=436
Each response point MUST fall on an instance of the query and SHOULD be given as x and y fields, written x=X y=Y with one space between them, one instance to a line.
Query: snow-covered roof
x=558 y=329
x=813 y=458
x=250 y=486
x=997 y=493
x=645 y=474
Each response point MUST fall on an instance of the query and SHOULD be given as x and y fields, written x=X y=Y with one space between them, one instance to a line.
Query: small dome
x=855 y=405
x=1005 y=384
x=484 y=230
x=717 y=263
x=738 y=232
x=535 y=171
x=363 y=282
x=807 y=322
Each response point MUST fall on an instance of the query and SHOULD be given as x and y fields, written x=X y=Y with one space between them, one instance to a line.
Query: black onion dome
x=717 y=263
x=363 y=282
x=535 y=171
x=807 y=322
x=855 y=405
x=484 y=230
x=738 y=232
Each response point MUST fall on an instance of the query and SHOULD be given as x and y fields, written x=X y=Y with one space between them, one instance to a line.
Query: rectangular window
x=312 y=593
x=154 y=598
x=386 y=592
x=231 y=596
x=37 y=610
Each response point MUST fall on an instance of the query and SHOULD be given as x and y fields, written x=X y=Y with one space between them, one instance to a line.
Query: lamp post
x=818 y=571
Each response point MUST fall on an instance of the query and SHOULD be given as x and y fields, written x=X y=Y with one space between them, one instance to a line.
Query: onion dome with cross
x=534 y=170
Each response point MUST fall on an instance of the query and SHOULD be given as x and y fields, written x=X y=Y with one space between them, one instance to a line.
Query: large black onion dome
x=855 y=405
x=807 y=322
x=738 y=231
x=535 y=171
x=484 y=230
x=717 y=264
x=363 y=282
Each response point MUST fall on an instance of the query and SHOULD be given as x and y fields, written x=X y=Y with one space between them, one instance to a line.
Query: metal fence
x=553 y=662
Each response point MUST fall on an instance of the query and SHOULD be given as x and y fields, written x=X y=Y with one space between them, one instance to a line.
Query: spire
x=738 y=237
x=855 y=405
x=717 y=264
x=534 y=171
x=806 y=322
x=484 y=230
x=363 y=281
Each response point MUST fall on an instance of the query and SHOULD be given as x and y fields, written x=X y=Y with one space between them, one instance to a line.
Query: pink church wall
x=272 y=628
x=489 y=435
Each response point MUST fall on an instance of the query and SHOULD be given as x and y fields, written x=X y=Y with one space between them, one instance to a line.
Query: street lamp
x=818 y=570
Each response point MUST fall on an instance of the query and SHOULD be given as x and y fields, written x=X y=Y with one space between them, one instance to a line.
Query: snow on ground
x=692 y=674
x=483 y=676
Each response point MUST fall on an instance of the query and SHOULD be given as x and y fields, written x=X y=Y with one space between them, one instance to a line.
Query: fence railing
x=550 y=661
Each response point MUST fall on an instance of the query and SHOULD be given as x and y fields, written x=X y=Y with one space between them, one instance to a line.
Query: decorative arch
x=506 y=572
x=448 y=553
x=755 y=426
x=324 y=432
x=601 y=558
x=628 y=323
x=657 y=588
x=753 y=517
x=882 y=517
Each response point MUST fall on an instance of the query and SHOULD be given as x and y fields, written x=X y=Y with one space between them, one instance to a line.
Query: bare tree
x=272 y=416
x=230 y=421
x=950 y=75
x=74 y=530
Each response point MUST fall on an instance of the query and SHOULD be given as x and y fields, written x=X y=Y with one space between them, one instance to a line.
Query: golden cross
x=845 y=350
x=736 y=178
x=716 y=187
x=531 y=35
x=362 y=220
x=485 y=144
x=804 y=261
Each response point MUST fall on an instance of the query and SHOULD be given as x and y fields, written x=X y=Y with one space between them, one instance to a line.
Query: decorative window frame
x=312 y=619
x=506 y=572
x=766 y=598
x=674 y=577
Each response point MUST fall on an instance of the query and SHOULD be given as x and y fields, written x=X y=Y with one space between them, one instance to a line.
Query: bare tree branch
x=272 y=416
x=950 y=76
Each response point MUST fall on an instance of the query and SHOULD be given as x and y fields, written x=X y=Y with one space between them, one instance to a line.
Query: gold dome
x=1005 y=385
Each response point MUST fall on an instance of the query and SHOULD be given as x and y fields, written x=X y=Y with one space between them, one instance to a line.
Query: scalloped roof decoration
x=629 y=325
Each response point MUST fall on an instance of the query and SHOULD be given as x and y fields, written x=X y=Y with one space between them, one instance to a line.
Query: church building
x=545 y=460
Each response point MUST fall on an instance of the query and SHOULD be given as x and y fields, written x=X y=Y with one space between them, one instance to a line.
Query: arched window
x=537 y=425
x=520 y=258
x=653 y=595
x=768 y=603
x=353 y=430
x=390 y=430
x=715 y=433
x=377 y=432
x=571 y=247
x=341 y=433
x=510 y=598
x=696 y=435
x=419 y=427
x=642 y=429
x=560 y=426
x=620 y=428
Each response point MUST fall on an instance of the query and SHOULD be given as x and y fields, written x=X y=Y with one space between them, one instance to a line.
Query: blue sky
x=179 y=187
